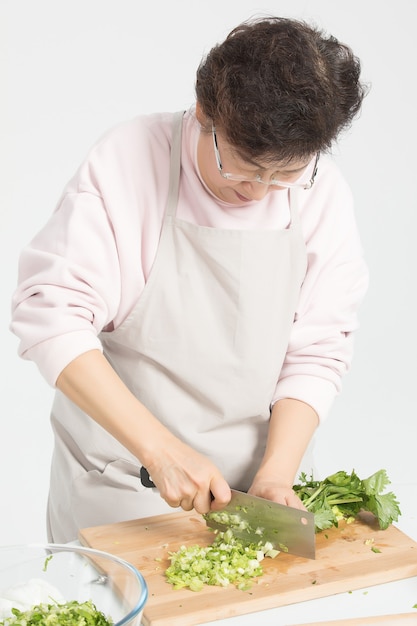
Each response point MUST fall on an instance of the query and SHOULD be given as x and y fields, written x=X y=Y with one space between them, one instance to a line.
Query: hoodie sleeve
x=320 y=347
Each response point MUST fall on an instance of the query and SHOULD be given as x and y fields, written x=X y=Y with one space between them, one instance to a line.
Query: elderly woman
x=194 y=294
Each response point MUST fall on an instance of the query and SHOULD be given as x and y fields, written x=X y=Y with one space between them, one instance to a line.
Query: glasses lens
x=305 y=180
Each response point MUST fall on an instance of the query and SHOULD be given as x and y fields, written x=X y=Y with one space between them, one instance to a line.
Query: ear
x=201 y=116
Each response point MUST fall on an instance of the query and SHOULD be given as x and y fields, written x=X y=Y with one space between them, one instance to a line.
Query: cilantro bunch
x=343 y=496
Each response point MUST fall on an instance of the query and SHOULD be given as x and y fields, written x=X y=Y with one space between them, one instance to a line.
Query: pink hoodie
x=86 y=268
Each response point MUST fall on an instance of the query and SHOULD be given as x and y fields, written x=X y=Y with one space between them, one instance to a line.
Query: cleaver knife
x=255 y=519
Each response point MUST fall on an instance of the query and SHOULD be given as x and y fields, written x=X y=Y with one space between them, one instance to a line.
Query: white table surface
x=389 y=598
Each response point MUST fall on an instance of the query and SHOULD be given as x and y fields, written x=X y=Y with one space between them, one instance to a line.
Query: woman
x=194 y=294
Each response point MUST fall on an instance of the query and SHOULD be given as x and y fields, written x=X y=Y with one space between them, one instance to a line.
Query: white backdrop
x=73 y=68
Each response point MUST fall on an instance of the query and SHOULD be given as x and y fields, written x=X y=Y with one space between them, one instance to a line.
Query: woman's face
x=213 y=163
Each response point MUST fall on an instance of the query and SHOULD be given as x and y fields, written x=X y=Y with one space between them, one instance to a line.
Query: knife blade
x=255 y=519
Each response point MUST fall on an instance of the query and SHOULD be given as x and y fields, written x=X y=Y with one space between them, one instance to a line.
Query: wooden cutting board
x=344 y=561
x=400 y=619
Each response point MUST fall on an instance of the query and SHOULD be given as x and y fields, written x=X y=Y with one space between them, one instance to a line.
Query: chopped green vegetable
x=68 y=614
x=343 y=496
x=232 y=520
x=226 y=561
x=48 y=558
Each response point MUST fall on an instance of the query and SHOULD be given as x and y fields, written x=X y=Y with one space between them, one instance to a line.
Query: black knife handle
x=145 y=479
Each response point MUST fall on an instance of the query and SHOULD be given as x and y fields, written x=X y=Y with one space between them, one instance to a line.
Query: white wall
x=72 y=68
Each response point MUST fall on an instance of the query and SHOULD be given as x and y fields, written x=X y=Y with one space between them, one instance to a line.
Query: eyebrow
x=279 y=169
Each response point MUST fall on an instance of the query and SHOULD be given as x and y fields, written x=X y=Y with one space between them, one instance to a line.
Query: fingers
x=277 y=493
x=294 y=501
x=187 y=504
x=220 y=494
x=202 y=499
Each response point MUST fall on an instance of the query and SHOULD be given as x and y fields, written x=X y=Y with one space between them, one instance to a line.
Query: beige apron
x=202 y=349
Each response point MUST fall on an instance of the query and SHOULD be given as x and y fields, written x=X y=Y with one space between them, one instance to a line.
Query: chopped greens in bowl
x=67 y=585
x=66 y=614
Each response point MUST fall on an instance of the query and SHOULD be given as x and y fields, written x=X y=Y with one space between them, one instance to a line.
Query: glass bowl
x=35 y=573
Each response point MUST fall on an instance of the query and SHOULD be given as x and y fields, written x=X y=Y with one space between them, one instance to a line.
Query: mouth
x=242 y=198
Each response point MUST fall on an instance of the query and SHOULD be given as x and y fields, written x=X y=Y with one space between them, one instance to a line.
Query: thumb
x=220 y=493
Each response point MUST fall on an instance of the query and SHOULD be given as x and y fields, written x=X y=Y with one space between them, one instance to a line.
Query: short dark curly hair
x=280 y=88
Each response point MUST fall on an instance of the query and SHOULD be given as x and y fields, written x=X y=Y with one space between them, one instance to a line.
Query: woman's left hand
x=273 y=490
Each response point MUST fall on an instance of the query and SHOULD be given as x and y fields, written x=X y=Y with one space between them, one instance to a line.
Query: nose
x=257 y=191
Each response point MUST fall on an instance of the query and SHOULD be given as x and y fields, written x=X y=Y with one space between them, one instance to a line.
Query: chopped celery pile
x=226 y=561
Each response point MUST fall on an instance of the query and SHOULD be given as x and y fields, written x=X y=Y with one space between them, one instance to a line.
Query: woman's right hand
x=186 y=478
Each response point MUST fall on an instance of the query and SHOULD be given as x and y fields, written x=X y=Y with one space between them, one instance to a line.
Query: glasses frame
x=258 y=179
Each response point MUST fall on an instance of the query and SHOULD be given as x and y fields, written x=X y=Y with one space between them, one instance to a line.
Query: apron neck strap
x=293 y=200
x=175 y=164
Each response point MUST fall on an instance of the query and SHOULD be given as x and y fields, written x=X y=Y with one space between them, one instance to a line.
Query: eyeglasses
x=258 y=178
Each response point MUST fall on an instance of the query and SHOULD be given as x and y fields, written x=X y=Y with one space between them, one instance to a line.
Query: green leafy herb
x=68 y=614
x=343 y=496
